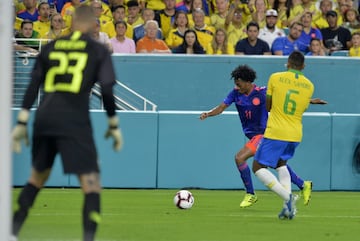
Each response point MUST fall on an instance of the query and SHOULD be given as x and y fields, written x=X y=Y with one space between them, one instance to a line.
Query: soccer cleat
x=289 y=211
x=284 y=214
x=306 y=191
x=248 y=200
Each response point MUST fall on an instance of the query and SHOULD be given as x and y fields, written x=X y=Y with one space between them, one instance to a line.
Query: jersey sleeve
x=269 y=89
x=230 y=98
x=37 y=77
x=277 y=45
x=106 y=77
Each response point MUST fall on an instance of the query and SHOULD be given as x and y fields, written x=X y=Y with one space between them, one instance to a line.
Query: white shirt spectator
x=269 y=36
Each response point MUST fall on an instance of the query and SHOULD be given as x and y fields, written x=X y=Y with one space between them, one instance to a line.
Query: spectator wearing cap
x=335 y=37
x=119 y=14
x=321 y=21
x=287 y=45
x=252 y=45
x=309 y=32
x=133 y=17
x=270 y=32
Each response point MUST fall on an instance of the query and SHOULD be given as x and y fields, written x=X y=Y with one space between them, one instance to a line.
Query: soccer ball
x=184 y=199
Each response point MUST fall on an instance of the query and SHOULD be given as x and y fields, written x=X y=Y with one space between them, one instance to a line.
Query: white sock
x=269 y=180
x=284 y=177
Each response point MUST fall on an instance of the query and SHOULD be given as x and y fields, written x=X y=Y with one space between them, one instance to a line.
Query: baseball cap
x=271 y=12
x=331 y=13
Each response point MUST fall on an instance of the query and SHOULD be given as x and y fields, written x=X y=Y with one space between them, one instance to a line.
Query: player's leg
x=27 y=197
x=240 y=159
x=90 y=184
x=43 y=154
x=79 y=156
x=268 y=155
x=304 y=186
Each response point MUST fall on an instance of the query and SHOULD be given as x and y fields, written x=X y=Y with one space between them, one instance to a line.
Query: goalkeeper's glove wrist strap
x=23 y=116
x=21 y=123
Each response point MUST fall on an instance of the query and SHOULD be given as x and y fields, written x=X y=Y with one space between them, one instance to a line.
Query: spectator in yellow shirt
x=219 y=44
x=42 y=25
x=355 y=49
x=68 y=10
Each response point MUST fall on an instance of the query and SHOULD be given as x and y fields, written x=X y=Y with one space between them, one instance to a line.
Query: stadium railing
x=125 y=98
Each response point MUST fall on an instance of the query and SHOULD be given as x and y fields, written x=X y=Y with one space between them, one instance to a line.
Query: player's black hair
x=121 y=22
x=296 y=60
x=243 y=72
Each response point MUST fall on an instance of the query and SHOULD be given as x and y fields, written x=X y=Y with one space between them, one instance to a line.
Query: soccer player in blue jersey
x=251 y=106
x=288 y=95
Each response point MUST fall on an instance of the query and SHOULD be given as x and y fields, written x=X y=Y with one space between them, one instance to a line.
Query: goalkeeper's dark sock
x=295 y=178
x=25 y=202
x=246 y=177
x=91 y=215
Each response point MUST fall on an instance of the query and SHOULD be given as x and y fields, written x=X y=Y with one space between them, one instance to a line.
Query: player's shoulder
x=259 y=88
x=76 y=40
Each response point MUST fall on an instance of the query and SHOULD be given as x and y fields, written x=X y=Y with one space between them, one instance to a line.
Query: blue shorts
x=270 y=151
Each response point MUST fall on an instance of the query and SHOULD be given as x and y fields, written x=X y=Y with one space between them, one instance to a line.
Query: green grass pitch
x=150 y=215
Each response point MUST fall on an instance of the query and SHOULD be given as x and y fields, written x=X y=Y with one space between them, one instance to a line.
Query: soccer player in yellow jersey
x=288 y=96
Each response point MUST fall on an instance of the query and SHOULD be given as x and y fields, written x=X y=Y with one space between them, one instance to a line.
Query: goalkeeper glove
x=19 y=132
x=114 y=132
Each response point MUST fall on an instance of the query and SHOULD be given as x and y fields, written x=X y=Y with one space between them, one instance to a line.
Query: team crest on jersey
x=256 y=101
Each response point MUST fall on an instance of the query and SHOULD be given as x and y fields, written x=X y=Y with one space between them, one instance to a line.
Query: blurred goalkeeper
x=67 y=69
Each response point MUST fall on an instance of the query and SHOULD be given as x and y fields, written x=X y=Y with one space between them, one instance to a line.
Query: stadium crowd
x=250 y=27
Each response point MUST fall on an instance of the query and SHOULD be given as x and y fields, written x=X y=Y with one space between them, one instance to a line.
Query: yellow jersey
x=354 y=52
x=290 y=92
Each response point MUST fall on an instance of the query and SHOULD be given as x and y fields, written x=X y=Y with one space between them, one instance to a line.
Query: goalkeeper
x=67 y=69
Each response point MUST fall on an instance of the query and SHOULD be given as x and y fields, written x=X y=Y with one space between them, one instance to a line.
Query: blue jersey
x=287 y=47
x=26 y=15
x=251 y=108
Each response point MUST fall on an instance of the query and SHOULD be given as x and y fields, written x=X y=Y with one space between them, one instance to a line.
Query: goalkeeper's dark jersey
x=66 y=70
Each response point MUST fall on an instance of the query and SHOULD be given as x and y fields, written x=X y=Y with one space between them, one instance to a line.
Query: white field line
x=225 y=215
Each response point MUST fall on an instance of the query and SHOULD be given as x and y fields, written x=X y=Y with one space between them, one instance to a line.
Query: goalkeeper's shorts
x=78 y=154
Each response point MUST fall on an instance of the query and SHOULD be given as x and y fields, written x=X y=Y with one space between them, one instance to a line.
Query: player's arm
x=268 y=102
x=215 y=111
x=107 y=81
x=20 y=133
x=318 y=101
